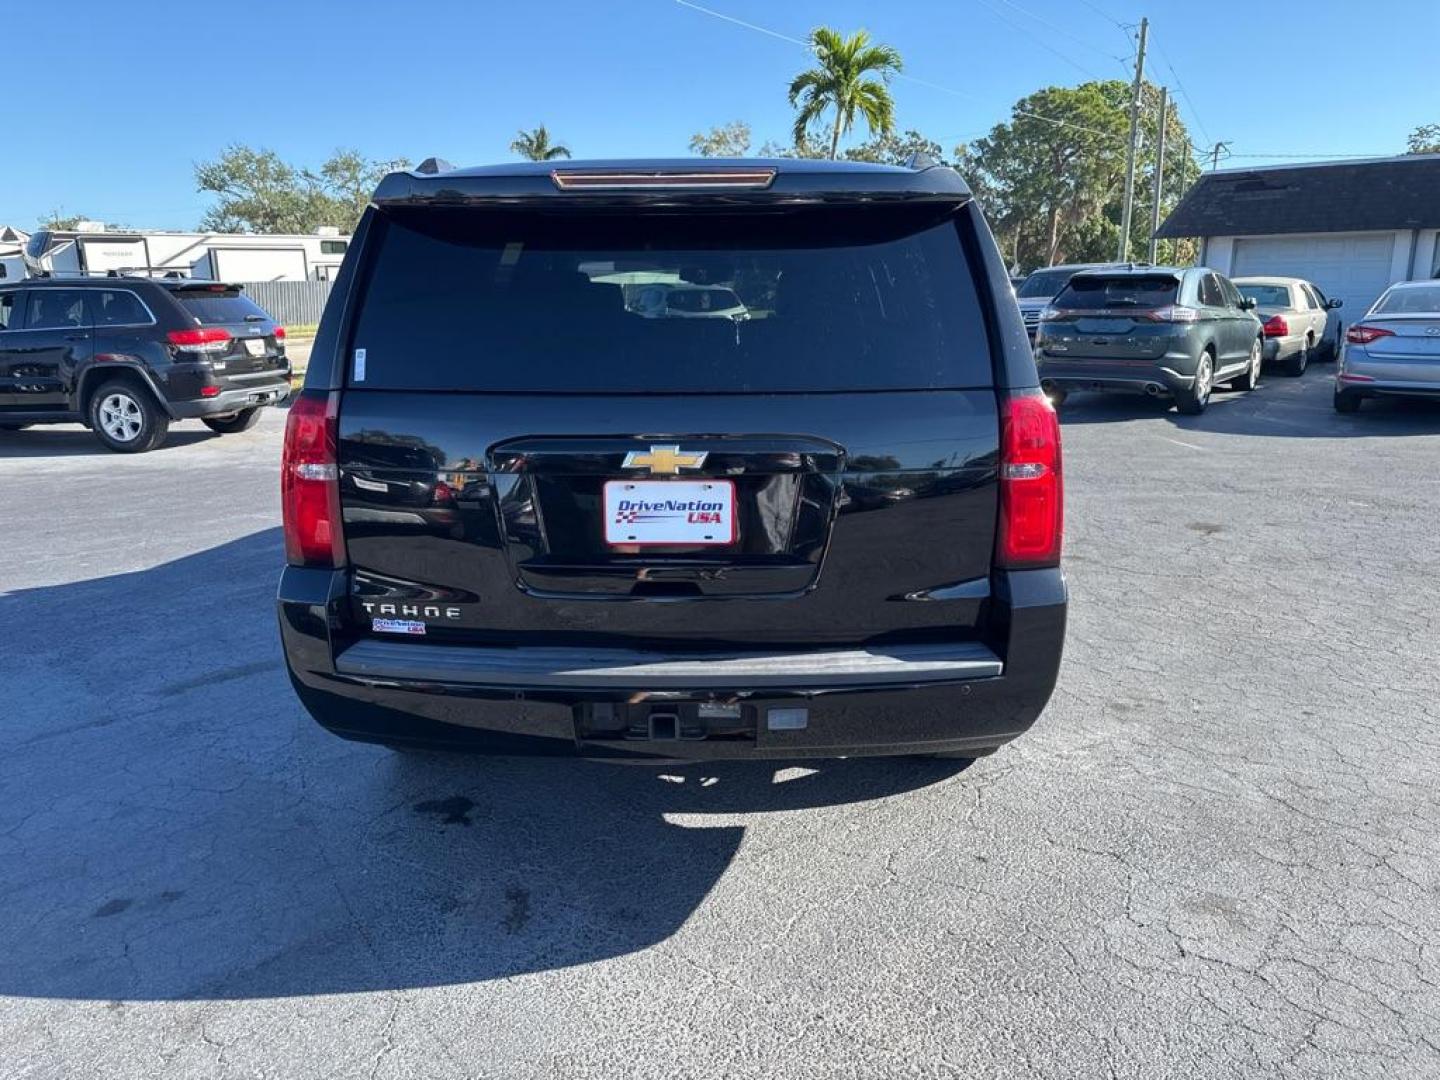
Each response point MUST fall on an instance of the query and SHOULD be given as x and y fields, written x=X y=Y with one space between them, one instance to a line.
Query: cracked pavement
x=1215 y=855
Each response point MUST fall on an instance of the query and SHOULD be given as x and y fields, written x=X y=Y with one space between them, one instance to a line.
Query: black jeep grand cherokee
x=741 y=459
x=125 y=356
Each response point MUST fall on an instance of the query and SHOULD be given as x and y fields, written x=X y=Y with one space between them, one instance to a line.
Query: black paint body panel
x=867 y=520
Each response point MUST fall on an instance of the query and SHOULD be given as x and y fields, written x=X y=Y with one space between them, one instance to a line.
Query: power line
x=900 y=76
x=1108 y=17
x=1064 y=32
x=1180 y=85
x=1037 y=38
x=1320 y=157
x=741 y=22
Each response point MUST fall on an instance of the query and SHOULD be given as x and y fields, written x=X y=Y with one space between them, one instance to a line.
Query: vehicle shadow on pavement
x=68 y=441
x=1281 y=407
x=175 y=827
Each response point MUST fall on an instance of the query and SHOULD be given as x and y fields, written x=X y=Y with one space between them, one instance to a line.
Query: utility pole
x=1159 y=176
x=1215 y=152
x=1134 y=140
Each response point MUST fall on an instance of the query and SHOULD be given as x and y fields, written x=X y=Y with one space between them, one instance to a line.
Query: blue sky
x=112 y=102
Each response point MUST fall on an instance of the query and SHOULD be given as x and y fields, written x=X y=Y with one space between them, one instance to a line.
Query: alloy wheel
x=1204 y=376
x=121 y=417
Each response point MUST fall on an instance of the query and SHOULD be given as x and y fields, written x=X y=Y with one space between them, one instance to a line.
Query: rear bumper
x=1387 y=388
x=1163 y=376
x=232 y=399
x=912 y=699
x=1274 y=348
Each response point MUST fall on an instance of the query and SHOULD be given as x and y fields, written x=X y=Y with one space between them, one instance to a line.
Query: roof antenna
x=432 y=165
x=921 y=160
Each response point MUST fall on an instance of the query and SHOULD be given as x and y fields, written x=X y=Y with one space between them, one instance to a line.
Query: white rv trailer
x=92 y=249
x=12 y=252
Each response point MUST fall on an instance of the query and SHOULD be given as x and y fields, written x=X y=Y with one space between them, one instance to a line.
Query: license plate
x=644 y=512
x=1107 y=327
x=255 y=346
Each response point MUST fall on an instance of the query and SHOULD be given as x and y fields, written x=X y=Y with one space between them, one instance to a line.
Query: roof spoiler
x=681 y=183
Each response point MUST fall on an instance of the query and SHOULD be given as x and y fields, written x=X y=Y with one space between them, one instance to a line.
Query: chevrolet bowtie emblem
x=664 y=460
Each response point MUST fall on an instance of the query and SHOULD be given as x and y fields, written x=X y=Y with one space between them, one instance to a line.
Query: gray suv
x=1163 y=331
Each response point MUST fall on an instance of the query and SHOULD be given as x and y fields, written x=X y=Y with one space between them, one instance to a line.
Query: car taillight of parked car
x=309 y=482
x=1276 y=326
x=1360 y=334
x=204 y=339
x=1032 y=516
x=279 y=333
x=1174 y=313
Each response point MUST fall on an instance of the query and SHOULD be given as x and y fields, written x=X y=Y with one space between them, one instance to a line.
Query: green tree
x=724 y=140
x=1051 y=179
x=536 y=146
x=259 y=192
x=895 y=149
x=807 y=149
x=1425 y=139
x=349 y=179
x=839 y=84
x=59 y=221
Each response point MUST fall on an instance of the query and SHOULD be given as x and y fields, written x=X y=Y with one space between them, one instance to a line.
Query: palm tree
x=536 y=146
x=838 y=82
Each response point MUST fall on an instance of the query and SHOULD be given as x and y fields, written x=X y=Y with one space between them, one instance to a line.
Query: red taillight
x=1032 y=515
x=206 y=339
x=1276 y=326
x=310 y=482
x=1173 y=313
x=1360 y=334
x=279 y=333
x=209 y=391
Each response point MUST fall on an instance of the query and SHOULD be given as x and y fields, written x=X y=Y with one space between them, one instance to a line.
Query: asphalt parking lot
x=1215 y=856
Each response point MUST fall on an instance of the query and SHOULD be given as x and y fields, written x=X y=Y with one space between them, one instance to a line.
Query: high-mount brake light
x=687 y=179
x=1032 y=518
x=310 y=482
x=1360 y=334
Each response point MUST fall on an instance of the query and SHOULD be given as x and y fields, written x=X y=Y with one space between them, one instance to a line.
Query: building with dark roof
x=1352 y=227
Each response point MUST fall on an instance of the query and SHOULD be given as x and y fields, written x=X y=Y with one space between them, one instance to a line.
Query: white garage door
x=1354 y=267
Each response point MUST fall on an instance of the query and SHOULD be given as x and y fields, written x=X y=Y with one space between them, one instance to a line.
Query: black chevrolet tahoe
x=735 y=459
x=125 y=356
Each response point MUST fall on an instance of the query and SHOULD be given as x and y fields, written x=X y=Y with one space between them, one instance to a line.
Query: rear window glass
x=805 y=300
x=1135 y=291
x=1266 y=295
x=1423 y=300
x=217 y=308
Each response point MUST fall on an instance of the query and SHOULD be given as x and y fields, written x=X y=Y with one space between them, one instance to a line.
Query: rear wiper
x=254 y=318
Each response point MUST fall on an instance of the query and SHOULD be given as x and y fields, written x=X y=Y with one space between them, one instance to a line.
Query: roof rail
x=177 y=272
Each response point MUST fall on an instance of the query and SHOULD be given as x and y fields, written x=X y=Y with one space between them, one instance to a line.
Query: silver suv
x=1037 y=290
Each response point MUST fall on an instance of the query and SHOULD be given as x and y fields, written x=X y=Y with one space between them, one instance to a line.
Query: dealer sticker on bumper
x=397 y=626
x=669 y=512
